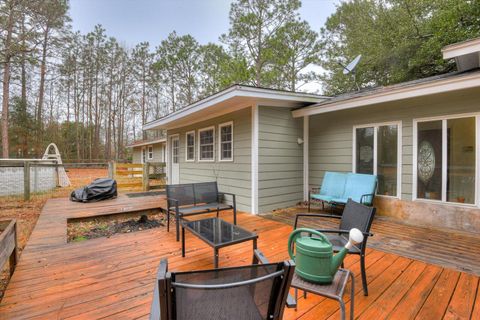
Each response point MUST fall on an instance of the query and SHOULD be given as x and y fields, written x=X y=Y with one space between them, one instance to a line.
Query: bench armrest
x=227 y=194
x=317 y=215
x=175 y=204
x=259 y=257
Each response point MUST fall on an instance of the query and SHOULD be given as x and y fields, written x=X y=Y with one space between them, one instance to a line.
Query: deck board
x=112 y=278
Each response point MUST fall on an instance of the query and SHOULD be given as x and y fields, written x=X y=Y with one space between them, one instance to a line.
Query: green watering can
x=314 y=259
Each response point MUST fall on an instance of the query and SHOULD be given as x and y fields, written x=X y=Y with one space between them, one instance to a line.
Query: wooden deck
x=447 y=248
x=112 y=278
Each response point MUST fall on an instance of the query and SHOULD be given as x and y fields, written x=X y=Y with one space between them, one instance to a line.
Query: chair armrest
x=260 y=257
x=162 y=269
x=372 y=195
x=366 y=234
x=317 y=215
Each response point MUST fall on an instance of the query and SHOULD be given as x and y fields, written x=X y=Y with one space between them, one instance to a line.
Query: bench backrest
x=205 y=192
x=333 y=184
x=358 y=185
x=184 y=193
x=193 y=193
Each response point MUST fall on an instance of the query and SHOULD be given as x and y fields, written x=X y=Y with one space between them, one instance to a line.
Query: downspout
x=306 y=160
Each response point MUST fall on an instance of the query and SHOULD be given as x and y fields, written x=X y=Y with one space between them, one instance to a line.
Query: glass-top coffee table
x=217 y=233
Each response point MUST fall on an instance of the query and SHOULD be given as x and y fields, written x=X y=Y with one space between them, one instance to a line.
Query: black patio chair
x=355 y=215
x=251 y=292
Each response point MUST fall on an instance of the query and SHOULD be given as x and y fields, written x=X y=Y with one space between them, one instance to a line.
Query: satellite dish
x=350 y=68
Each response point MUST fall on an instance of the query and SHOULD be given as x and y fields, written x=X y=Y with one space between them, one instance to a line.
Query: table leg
x=215 y=258
x=183 y=241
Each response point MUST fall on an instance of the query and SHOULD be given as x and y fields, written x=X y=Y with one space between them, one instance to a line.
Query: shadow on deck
x=113 y=277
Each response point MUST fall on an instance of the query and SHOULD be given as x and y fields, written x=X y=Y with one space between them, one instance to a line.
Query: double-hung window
x=150 y=152
x=446 y=158
x=206 y=144
x=190 y=142
x=377 y=151
x=225 y=141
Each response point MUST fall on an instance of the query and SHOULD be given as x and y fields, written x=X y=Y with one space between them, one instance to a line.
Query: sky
x=134 y=21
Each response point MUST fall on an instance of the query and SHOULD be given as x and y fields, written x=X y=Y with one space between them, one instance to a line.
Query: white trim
x=444 y=120
x=254 y=191
x=186 y=146
x=395 y=93
x=133 y=145
x=148 y=152
x=169 y=155
x=444 y=160
x=477 y=161
x=235 y=91
x=306 y=159
x=213 y=144
x=143 y=154
x=375 y=127
x=461 y=48
x=220 y=126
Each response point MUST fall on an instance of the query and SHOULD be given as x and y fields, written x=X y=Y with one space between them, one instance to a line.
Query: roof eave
x=424 y=89
x=234 y=91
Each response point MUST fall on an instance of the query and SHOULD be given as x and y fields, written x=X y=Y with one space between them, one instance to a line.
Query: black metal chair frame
x=362 y=247
x=163 y=304
x=175 y=206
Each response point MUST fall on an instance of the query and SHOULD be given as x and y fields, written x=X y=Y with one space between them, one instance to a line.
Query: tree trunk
x=6 y=82
x=41 y=91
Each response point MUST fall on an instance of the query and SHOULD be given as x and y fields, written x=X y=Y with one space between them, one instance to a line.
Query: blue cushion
x=321 y=197
x=359 y=184
x=340 y=200
x=333 y=184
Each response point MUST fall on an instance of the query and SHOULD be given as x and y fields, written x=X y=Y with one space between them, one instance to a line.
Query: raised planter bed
x=8 y=243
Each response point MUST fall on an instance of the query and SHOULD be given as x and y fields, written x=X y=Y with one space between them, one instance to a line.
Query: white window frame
x=150 y=154
x=444 y=119
x=186 y=145
x=199 y=144
x=174 y=136
x=375 y=156
x=220 y=155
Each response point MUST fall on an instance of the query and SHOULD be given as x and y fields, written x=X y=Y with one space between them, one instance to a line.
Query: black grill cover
x=99 y=189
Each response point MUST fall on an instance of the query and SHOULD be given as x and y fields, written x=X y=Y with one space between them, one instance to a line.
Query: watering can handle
x=296 y=233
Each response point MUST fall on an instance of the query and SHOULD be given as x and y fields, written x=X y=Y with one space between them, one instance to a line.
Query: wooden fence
x=136 y=175
x=8 y=244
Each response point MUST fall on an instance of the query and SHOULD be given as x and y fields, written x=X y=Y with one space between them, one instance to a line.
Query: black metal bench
x=196 y=198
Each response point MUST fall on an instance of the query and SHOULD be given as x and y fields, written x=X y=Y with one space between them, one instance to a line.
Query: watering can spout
x=355 y=236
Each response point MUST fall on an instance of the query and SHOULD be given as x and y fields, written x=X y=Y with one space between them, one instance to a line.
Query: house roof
x=140 y=143
x=465 y=53
x=422 y=87
x=232 y=99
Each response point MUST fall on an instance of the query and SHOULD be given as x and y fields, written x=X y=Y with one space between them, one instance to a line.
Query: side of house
x=217 y=149
x=148 y=151
x=280 y=159
x=423 y=150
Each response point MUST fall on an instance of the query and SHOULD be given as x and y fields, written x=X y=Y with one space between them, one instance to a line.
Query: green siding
x=280 y=159
x=157 y=153
x=331 y=134
x=233 y=176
